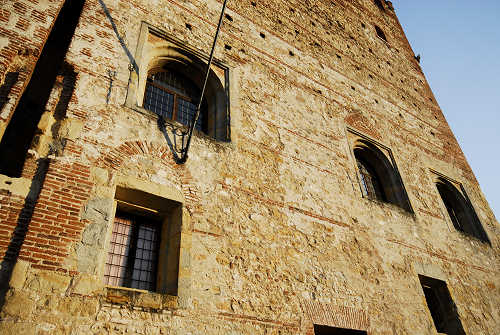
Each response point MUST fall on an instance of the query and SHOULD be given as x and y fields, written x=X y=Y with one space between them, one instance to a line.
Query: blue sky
x=459 y=41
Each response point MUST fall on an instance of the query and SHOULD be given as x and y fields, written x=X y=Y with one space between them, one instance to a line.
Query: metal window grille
x=186 y=111
x=370 y=182
x=172 y=96
x=159 y=101
x=133 y=253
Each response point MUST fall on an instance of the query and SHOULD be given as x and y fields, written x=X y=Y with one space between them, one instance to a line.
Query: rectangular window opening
x=133 y=252
x=441 y=306
x=144 y=246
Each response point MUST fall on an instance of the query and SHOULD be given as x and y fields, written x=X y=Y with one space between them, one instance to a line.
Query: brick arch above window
x=130 y=156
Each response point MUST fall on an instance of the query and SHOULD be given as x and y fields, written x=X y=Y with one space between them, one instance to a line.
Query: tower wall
x=276 y=234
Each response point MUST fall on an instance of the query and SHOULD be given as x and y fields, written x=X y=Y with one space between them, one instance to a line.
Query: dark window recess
x=174 y=97
x=460 y=210
x=22 y=127
x=380 y=33
x=133 y=253
x=379 y=178
x=370 y=182
x=9 y=82
x=379 y=4
x=442 y=308
x=325 y=330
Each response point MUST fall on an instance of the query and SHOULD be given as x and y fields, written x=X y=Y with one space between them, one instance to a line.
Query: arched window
x=379 y=178
x=172 y=89
x=174 y=97
x=167 y=77
x=460 y=210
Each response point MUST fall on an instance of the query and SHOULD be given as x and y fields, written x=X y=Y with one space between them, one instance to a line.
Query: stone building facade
x=324 y=191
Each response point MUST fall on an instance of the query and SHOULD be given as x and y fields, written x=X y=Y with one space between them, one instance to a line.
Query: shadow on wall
x=23 y=125
x=19 y=234
x=177 y=135
x=161 y=122
x=60 y=111
x=26 y=213
x=9 y=82
x=120 y=39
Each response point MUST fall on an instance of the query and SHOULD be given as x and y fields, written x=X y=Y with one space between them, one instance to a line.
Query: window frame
x=447 y=308
x=366 y=171
x=166 y=212
x=176 y=96
x=401 y=200
x=475 y=222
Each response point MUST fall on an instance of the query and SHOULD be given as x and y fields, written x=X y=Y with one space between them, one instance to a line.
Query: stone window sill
x=391 y=206
x=154 y=118
x=139 y=298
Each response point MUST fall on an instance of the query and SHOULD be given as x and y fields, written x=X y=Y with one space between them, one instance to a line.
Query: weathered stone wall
x=276 y=235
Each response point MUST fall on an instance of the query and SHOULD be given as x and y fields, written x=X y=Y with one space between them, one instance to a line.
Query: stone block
x=119 y=296
x=70 y=129
x=18 y=304
x=147 y=300
x=78 y=306
x=11 y=327
x=45 y=281
x=86 y=256
x=19 y=273
x=86 y=284
x=99 y=175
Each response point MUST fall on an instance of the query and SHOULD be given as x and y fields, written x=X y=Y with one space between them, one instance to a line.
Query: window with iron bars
x=370 y=182
x=133 y=253
x=174 y=97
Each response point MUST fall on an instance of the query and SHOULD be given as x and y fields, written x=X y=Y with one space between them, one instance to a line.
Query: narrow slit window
x=380 y=33
x=379 y=4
